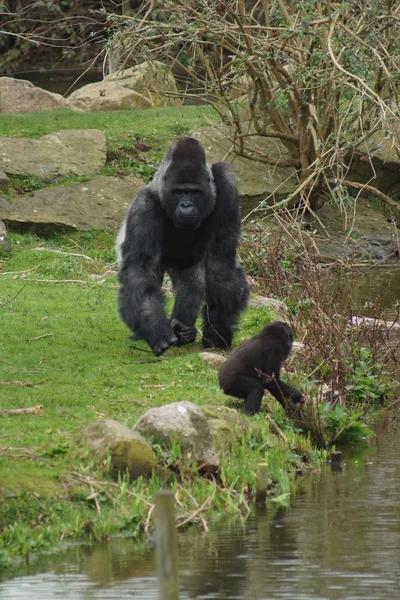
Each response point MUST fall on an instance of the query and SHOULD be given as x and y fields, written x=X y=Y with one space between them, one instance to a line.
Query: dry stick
x=35 y=410
x=39 y=337
x=21 y=383
x=371 y=92
x=149 y=514
x=194 y=514
x=276 y=428
x=93 y=496
x=66 y=281
x=372 y=190
x=64 y=253
x=166 y=547
x=193 y=499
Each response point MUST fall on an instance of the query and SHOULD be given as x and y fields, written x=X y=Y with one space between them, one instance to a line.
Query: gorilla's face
x=187 y=191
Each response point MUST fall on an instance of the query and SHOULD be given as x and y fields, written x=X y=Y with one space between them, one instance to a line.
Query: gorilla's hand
x=185 y=333
x=164 y=343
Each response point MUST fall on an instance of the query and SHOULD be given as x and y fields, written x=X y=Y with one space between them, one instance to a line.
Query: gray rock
x=212 y=358
x=4 y=181
x=129 y=450
x=4 y=243
x=101 y=203
x=75 y=152
x=185 y=423
x=18 y=95
x=277 y=307
x=147 y=85
x=255 y=181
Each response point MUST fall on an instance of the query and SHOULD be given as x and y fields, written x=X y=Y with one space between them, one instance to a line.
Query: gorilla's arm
x=282 y=391
x=140 y=299
x=226 y=285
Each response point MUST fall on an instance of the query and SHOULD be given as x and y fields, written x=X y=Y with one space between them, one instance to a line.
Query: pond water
x=340 y=540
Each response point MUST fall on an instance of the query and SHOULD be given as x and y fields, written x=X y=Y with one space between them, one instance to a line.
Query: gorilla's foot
x=185 y=333
x=214 y=339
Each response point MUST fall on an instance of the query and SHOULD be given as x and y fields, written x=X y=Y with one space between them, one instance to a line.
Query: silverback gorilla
x=255 y=366
x=185 y=223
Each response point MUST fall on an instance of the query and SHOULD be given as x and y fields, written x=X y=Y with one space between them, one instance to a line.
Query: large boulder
x=18 y=95
x=128 y=449
x=184 y=423
x=148 y=85
x=76 y=152
x=101 y=203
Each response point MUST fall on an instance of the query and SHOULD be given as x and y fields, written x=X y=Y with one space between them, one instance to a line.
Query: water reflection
x=339 y=541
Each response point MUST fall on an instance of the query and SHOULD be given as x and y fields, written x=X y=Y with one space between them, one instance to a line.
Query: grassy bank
x=64 y=348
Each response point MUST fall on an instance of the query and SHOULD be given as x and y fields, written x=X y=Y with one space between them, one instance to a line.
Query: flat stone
x=101 y=204
x=71 y=152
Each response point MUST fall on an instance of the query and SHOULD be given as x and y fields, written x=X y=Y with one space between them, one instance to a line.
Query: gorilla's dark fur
x=255 y=366
x=185 y=223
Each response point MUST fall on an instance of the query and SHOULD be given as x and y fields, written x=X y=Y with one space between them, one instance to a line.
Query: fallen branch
x=35 y=410
x=372 y=190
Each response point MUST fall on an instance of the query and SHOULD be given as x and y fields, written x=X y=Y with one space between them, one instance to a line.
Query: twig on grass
x=35 y=410
x=198 y=510
x=39 y=337
x=64 y=253
x=78 y=281
x=21 y=383
x=275 y=427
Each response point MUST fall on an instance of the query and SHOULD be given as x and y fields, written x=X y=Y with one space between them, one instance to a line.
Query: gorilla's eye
x=208 y=180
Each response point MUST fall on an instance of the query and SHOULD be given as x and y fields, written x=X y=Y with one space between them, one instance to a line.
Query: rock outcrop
x=101 y=203
x=70 y=152
x=255 y=181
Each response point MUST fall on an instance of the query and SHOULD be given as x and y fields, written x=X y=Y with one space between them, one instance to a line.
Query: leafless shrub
x=299 y=83
x=343 y=362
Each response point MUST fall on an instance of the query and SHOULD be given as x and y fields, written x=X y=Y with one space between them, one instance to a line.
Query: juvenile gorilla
x=185 y=223
x=255 y=366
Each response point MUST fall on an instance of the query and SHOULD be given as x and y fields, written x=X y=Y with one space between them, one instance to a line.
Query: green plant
x=338 y=425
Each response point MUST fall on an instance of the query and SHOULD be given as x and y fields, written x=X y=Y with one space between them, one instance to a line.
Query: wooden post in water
x=166 y=549
x=336 y=461
x=262 y=483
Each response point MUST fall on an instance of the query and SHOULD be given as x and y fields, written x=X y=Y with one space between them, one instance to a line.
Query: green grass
x=154 y=128
x=63 y=346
